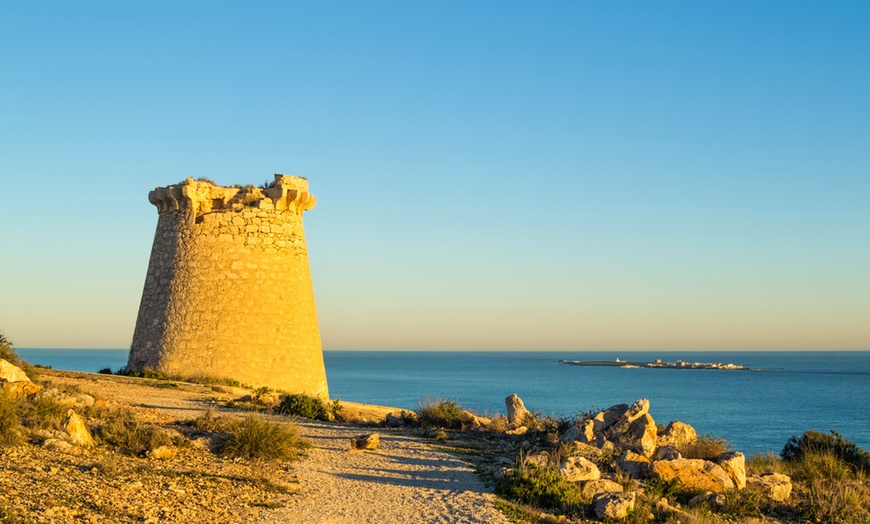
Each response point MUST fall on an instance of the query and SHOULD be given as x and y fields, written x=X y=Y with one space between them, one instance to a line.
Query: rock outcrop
x=694 y=474
x=15 y=381
x=775 y=486
x=516 y=410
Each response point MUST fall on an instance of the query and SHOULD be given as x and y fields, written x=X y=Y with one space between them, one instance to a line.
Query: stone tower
x=228 y=292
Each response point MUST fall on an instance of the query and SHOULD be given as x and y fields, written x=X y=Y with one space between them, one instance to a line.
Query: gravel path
x=405 y=480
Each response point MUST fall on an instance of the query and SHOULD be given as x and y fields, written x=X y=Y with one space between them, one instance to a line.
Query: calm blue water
x=755 y=410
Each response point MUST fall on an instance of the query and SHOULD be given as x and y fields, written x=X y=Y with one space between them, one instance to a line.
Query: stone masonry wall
x=228 y=292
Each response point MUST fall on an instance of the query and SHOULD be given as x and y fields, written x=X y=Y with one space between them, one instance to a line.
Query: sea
x=785 y=393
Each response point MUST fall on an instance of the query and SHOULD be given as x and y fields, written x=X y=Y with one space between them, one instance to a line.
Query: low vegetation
x=257 y=438
x=307 y=406
x=439 y=413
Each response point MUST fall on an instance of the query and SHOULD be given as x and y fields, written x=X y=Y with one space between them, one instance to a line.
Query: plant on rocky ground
x=257 y=438
x=709 y=447
x=439 y=413
x=759 y=463
x=749 y=501
x=814 y=441
x=307 y=406
x=123 y=430
x=540 y=487
x=836 y=501
x=42 y=411
x=10 y=421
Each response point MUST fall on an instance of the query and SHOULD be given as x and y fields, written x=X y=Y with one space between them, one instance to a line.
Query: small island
x=657 y=363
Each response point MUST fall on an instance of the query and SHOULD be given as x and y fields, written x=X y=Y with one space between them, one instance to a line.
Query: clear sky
x=489 y=175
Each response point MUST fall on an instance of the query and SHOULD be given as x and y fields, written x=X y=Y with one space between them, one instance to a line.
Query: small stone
x=577 y=469
x=613 y=505
x=365 y=442
x=163 y=452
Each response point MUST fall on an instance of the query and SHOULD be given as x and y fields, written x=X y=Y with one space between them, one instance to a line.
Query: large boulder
x=604 y=419
x=594 y=487
x=15 y=381
x=634 y=465
x=613 y=505
x=579 y=469
x=734 y=465
x=11 y=373
x=640 y=436
x=516 y=411
x=75 y=427
x=694 y=474
x=635 y=412
x=775 y=486
x=677 y=434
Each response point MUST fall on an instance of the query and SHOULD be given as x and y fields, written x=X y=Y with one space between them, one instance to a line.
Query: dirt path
x=405 y=480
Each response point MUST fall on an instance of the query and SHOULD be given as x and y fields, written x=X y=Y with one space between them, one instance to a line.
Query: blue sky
x=489 y=175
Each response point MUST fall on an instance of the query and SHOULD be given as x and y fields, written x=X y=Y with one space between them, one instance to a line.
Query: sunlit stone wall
x=228 y=292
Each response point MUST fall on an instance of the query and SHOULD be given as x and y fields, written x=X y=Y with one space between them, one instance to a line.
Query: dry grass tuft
x=257 y=438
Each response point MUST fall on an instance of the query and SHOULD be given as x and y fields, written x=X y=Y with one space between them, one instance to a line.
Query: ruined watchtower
x=228 y=292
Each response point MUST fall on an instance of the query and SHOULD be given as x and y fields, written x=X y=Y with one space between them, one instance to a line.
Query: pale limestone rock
x=641 y=435
x=579 y=469
x=78 y=432
x=163 y=452
x=516 y=411
x=20 y=389
x=734 y=465
x=11 y=373
x=634 y=465
x=694 y=474
x=608 y=417
x=677 y=434
x=583 y=432
x=666 y=453
x=540 y=460
x=613 y=505
x=365 y=442
x=594 y=487
x=636 y=411
x=776 y=486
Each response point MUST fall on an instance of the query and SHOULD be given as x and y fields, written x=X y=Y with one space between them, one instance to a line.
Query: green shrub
x=306 y=406
x=257 y=438
x=709 y=447
x=105 y=371
x=439 y=413
x=543 y=488
x=814 y=441
x=10 y=422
